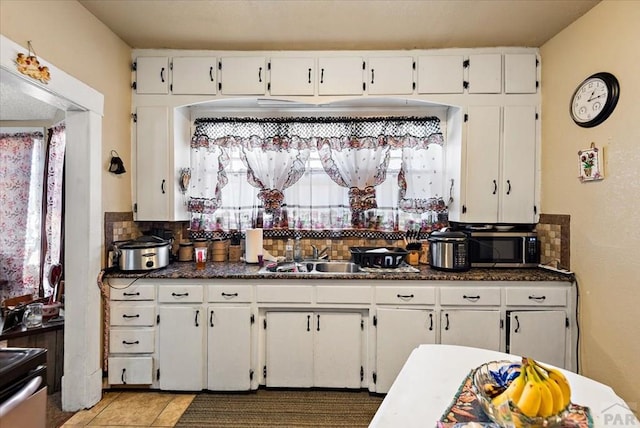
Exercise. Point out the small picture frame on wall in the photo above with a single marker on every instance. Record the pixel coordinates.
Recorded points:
(590, 164)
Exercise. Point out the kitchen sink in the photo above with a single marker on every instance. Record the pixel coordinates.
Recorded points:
(337, 267)
(313, 267)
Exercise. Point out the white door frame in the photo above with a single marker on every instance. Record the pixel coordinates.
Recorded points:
(82, 379)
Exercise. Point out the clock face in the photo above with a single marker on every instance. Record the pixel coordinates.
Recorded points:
(589, 100)
(594, 99)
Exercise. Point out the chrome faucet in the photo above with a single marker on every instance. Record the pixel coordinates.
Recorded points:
(320, 254)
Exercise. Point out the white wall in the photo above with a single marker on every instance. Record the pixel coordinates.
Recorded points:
(605, 220)
(70, 37)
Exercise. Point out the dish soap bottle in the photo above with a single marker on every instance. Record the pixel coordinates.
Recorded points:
(297, 250)
(288, 251)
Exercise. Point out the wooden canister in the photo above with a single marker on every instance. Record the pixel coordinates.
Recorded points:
(185, 252)
(219, 250)
(235, 252)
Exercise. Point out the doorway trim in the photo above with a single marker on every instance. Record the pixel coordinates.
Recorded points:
(83, 106)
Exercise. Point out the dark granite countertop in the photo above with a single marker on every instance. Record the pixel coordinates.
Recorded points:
(230, 270)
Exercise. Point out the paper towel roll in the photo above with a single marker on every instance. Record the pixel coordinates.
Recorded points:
(253, 245)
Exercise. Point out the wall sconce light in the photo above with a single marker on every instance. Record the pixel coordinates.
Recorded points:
(116, 166)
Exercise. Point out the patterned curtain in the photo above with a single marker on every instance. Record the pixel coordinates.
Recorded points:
(354, 153)
(20, 213)
(54, 205)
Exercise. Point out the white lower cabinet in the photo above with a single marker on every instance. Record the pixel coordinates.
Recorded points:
(398, 332)
(475, 328)
(132, 337)
(538, 334)
(228, 348)
(181, 347)
(307, 349)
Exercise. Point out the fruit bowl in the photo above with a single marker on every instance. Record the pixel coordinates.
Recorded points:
(490, 380)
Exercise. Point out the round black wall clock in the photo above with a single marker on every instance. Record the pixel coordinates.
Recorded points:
(594, 99)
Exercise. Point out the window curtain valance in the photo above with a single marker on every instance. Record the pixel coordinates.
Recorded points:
(354, 152)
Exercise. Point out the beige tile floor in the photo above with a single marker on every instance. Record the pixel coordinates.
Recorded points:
(129, 409)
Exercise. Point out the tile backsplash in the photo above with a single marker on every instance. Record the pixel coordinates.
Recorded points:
(554, 235)
(553, 232)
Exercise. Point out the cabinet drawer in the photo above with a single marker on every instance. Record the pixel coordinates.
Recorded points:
(470, 296)
(130, 370)
(536, 296)
(131, 341)
(124, 314)
(343, 294)
(406, 295)
(284, 294)
(134, 292)
(229, 293)
(180, 294)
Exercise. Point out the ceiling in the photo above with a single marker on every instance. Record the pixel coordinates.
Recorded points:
(335, 24)
(317, 25)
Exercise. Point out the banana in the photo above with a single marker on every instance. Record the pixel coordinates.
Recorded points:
(554, 388)
(563, 383)
(529, 402)
(546, 399)
(513, 391)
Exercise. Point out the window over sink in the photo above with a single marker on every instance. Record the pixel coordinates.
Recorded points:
(317, 173)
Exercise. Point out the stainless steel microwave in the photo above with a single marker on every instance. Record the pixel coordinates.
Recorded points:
(504, 249)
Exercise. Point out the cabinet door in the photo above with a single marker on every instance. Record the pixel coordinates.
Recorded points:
(540, 335)
(390, 75)
(194, 75)
(152, 75)
(520, 73)
(440, 74)
(130, 370)
(181, 350)
(478, 329)
(517, 189)
(398, 332)
(229, 348)
(243, 75)
(485, 74)
(337, 348)
(292, 76)
(152, 163)
(289, 357)
(482, 174)
(340, 76)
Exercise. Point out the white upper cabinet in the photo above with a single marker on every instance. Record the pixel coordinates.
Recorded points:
(292, 76)
(340, 75)
(152, 164)
(194, 75)
(517, 196)
(520, 73)
(483, 164)
(501, 165)
(485, 74)
(152, 75)
(441, 74)
(390, 75)
(243, 75)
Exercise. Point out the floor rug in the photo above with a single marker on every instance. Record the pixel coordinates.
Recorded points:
(282, 408)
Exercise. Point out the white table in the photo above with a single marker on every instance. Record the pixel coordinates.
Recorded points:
(430, 378)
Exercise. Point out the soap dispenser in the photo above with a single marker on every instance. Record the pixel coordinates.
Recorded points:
(297, 250)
